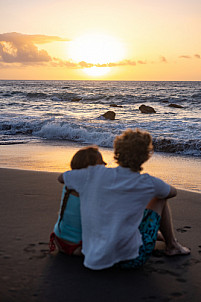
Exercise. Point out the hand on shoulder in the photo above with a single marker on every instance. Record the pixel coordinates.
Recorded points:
(60, 178)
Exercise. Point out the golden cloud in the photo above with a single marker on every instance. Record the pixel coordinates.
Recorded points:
(197, 56)
(21, 48)
(185, 57)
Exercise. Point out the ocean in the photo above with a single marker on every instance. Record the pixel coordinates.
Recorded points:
(46, 111)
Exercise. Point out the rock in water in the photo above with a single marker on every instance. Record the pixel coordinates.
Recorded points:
(115, 105)
(147, 109)
(109, 115)
(175, 106)
(76, 99)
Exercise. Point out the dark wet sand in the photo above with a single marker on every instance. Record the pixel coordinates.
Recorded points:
(29, 205)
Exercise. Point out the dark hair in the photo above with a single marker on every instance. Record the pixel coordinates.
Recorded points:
(88, 156)
(133, 148)
(85, 157)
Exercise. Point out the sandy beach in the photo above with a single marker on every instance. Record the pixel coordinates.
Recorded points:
(29, 205)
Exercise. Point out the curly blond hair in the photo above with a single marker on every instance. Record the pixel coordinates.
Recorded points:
(132, 148)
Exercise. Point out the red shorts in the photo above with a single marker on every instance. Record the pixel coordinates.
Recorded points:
(63, 246)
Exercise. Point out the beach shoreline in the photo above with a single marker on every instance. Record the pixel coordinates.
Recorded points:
(29, 207)
(182, 172)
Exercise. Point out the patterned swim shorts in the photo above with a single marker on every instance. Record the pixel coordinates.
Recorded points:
(148, 228)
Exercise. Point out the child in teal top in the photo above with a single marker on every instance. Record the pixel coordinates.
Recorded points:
(68, 230)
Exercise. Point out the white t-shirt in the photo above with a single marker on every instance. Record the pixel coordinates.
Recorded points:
(112, 206)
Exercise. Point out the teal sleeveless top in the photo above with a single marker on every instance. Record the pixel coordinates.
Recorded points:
(70, 226)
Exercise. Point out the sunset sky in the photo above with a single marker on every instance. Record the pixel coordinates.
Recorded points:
(101, 40)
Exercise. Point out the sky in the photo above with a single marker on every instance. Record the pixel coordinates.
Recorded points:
(100, 40)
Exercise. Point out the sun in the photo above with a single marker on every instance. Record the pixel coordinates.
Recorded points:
(96, 71)
(97, 50)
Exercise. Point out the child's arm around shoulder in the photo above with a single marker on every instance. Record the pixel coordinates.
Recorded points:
(60, 178)
(74, 179)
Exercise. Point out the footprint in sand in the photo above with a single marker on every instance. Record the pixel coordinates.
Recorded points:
(159, 262)
(190, 262)
(2, 252)
(177, 294)
(182, 280)
(30, 248)
(184, 229)
(35, 249)
(157, 253)
(43, 243)
(150, 298)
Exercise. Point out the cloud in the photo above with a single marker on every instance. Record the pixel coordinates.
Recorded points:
(197, 56)
(21, 48)
(61, 63)
(19, 39)
(141, 62)
(116, 64)
(128, 62)
(185, 57)
(83, 64)
(163, 59)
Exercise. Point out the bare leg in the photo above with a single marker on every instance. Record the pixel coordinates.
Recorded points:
(173, 247)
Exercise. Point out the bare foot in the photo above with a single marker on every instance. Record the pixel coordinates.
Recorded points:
(77, 251)
(178, 249)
